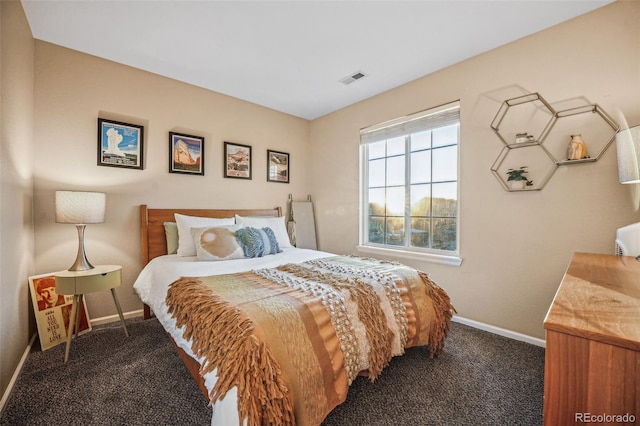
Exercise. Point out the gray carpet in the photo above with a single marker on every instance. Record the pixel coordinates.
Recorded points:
(479, 379)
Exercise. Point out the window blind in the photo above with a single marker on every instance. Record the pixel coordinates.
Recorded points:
(446, 115)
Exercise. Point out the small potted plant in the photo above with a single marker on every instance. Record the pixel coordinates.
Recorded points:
(517, 179)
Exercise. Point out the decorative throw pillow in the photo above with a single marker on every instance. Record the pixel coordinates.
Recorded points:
(186, 247)
(257, 242)
(275, 223)
(171, 234)
(217, 243)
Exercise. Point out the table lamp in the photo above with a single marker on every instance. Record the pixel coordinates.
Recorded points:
(628, 147)
(80, 208)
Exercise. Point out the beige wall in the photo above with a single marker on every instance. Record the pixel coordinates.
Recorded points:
(515, 246)
(16, 186)
(74, 89)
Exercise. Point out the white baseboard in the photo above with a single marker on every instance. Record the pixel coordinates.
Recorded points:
(500, 331)
(12, 382)
(95, 321)
(113, 318)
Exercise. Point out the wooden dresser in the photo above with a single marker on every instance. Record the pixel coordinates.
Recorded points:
(592, 359)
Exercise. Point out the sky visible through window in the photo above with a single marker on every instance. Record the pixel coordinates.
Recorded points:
(418, 173)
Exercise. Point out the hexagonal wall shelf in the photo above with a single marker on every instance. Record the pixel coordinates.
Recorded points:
(538, 162)
(595, 126)
(528, 115)
(538, 137)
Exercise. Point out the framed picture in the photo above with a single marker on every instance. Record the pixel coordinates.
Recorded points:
(277, 166)
(53, 311)
(237, 161)
(186, 154)
(120, 144)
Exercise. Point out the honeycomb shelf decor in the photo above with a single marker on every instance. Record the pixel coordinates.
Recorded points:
(528, 115)
(592, 123)
(537, 138)
(539, 164)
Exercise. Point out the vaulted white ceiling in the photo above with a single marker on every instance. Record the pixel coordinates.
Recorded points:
(291, 55)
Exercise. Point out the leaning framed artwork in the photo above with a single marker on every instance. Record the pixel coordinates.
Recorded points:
(53, 311)
(186, 154)
(120, 144)
(237, 161)
(277, 166)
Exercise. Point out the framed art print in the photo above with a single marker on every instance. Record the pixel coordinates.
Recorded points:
(277, 166)
(237, 161)
(186, 154)
(53, 311)
(120, 144)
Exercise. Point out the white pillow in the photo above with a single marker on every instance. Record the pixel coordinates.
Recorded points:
(186, 247)
(275, 223)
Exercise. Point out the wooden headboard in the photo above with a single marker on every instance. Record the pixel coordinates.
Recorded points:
(152, 237)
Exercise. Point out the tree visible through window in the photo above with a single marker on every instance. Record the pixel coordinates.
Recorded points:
(410, 182)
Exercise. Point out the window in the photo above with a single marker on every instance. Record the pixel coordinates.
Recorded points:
(409, 181)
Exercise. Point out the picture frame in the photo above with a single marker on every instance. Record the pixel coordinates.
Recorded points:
(186, 154)
(237, 161)
(53, 311)
(120, 144)
(277, 166)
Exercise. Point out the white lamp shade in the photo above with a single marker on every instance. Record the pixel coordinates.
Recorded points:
(628, 147)
(80, 207)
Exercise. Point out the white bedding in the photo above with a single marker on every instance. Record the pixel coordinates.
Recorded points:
(154, 280)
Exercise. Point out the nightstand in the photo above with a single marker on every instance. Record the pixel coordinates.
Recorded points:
(101, 277)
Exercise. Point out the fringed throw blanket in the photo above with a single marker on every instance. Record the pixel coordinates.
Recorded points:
(293, 338)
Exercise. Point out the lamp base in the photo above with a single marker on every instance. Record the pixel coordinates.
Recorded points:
(81, 263)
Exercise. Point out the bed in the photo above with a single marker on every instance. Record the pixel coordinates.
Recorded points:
(279, 336)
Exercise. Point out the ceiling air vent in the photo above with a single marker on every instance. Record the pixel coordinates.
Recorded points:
(353, 77)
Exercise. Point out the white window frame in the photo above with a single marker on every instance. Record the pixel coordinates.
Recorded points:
(397, 127)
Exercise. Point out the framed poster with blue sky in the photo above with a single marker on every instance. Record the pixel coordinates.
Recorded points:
(186, 154)
(120, 144)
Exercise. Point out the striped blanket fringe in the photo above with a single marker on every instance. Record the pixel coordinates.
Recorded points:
(442, 306)
(444, 311)
(241, 359)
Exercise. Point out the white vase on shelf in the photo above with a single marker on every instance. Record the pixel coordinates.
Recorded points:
(517, 184)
